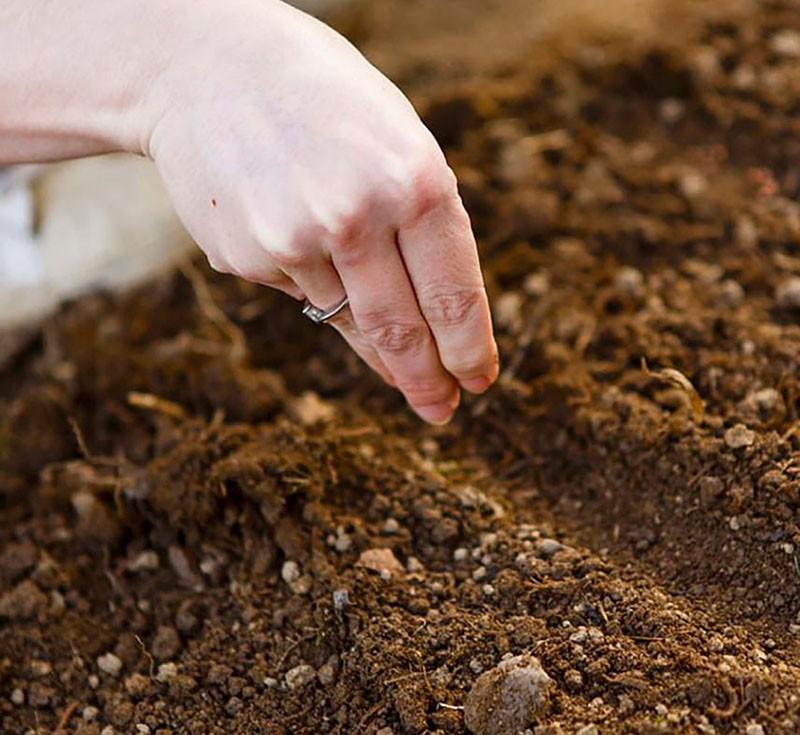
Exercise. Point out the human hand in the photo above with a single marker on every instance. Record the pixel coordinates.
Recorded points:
(295, 164)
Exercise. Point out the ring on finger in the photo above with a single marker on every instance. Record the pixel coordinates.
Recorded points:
(320, 316)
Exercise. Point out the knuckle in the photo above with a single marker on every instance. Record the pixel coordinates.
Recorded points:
(347, 225)
(290, 257)
(478, 364)
(396, 337)
(471, 365)
(345, 232)
(429, 184)
(452, 307)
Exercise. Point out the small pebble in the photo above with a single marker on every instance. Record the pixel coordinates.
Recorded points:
(290, 572)
(753, 728)
(327, 673)
(787, 295)
(414, 565)
(739, 436)
(145, 561)
(731, 293)
(382, 561)
(310, 408)
(629, 281)
(300, 676)
(692, 184)
(671, 110)
(508, 311)
(391, 526)
(142, 729)
(343, 542)
(166, 672)
(89, 714)
(341, 599)
(18, 697)
(785, 43)
(41, 668)
(303, 585)
(536, 284)
(109, 664)
(460, 554)
(549, 546)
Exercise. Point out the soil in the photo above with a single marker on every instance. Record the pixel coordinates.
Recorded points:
(214, 520)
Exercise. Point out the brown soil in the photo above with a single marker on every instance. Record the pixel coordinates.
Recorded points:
(220, 523)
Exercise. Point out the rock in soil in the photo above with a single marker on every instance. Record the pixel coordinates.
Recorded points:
(509, 698)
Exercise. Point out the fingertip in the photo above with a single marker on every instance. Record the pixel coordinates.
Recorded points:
(439, 414)
(478, 385)
(482, 383)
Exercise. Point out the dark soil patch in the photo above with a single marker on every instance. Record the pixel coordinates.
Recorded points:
(234, 528)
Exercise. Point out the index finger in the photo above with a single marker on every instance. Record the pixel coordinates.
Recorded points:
(441, 258)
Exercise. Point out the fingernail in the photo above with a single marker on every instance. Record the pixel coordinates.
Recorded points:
(478, 385)
(438, 414)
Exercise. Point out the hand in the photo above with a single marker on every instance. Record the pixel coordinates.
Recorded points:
(295, 164)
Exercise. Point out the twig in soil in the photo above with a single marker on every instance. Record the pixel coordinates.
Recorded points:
(677, 378)
(368, 715)
(156, 403)
(214, 313)
(83, 447)
(733, 703)
(63, 721)
(295, 644)
(151, 661)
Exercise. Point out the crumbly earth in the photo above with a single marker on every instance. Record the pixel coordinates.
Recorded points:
(214, 520)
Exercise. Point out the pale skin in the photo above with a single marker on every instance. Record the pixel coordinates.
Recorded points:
(290, 159)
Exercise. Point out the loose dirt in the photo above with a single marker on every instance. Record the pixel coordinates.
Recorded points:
(214, 520)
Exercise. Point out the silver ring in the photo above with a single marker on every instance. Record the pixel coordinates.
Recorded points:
(320, 316)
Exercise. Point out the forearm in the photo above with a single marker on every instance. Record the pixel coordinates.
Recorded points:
(74, 75)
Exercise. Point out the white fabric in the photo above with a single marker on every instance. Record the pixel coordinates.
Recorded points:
(21, 260)
(100, 222)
